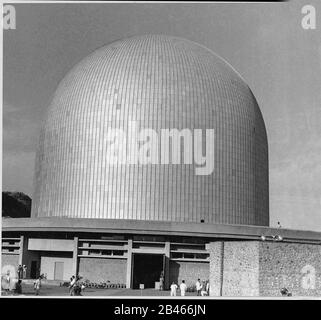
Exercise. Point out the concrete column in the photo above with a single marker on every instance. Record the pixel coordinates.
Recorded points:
(216, 250)
(21, 251)
(129, 264)
(27, 256)
(24, 255)
(75, 257)
(167, 268)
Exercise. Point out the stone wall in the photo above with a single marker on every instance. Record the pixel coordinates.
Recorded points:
(188, 271)
(216, 250)
(100, 269)
(294, 266)
(241, 269)
(255, 268)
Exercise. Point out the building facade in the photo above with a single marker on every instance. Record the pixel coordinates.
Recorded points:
(127, 223)
(237, 260)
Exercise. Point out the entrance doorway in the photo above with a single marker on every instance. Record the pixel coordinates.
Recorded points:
(147, 269)
(34, 269)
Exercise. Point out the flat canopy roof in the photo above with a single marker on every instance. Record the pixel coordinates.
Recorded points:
(156, 228)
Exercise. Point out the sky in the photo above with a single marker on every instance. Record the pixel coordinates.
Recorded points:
(265, 43)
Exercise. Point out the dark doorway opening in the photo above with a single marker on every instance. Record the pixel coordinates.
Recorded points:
(34, 269)
(147, 269)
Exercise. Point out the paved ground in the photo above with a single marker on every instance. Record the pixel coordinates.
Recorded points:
(53, 290)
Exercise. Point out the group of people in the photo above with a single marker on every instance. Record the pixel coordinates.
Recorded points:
(22, 271)
(75, 287)
(182, 287)
(202, 288)
(12, 281)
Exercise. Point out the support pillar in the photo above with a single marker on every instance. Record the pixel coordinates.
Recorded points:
(75, 257)
(129, 273)
(216, 251)
(167, 268)
(21, 251)
(24, 256)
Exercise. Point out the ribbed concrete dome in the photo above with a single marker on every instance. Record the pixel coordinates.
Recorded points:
(159, 82)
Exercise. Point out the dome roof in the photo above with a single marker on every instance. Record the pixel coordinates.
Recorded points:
(159, 82)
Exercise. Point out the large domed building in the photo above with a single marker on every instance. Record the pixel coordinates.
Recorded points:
(159, 82)
(130, 222)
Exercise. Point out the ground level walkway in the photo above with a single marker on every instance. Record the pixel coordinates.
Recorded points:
(56, 290)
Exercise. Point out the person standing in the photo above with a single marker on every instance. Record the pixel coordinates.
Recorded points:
(18, 288)
(7, 282)
(203, 290)
(208, 287)
(77, 287)
(20, 271)
(71, 285)
(173, 289)
(183, 288)
(37, 286)
(161, 281)
(198, 287)
(24, 271)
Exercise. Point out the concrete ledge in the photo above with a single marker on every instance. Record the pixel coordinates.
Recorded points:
(157, 228)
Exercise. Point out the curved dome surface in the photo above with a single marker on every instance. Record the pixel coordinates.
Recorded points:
(159, 82)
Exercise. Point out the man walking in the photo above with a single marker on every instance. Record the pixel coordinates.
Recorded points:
(208, 287)
(183, 288)
(20, 271)
(24, 271)
(37, 286)
(161, 281)
(173, 289)
(71, 285)
(198, 287)
(203, 290)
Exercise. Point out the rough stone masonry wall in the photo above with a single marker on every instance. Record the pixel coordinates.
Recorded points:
(99, 269)
(256, 268)
(295, 266)
(215, 250)
(241, 269)
(234, 268)
(188, 271)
